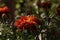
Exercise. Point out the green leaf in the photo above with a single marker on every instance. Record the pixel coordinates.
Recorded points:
(17, 5)
(21, 1)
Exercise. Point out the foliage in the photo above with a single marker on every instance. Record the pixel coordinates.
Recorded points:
(17, 22)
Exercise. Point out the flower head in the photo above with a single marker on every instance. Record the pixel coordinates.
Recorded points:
(4, 9)
(45, 4)
(58, 10)
(27, 22)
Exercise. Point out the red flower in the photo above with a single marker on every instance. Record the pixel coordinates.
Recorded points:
(1, 9)
(27, 22)
(4, 9)
(45, 4)
(58, 10)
